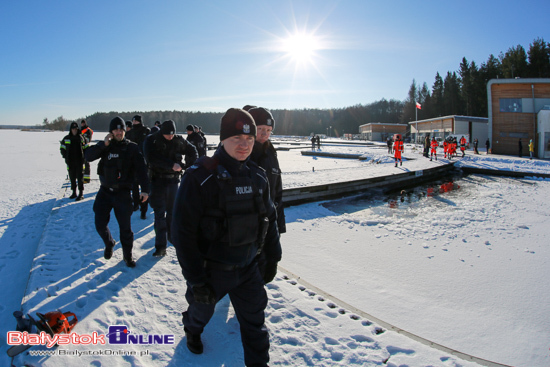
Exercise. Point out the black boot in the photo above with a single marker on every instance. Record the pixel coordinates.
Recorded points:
(108, 253)
(159, 252)
(130, 262)
(80, 196)
(194, 342)
(73, 195)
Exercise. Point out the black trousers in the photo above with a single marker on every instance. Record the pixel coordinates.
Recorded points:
(135, 197)
(75, 174)
(247, 294)
(163, 194)
(121, 202)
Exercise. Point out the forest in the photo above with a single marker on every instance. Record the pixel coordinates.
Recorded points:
(460, 92)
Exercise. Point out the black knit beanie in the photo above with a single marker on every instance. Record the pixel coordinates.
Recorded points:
(262, 116)
(137, 118)
(189, 128)
(117, 123)
(168, 128)
(236, 122)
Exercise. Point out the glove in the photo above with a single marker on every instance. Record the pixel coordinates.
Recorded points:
(204, 293)
(270, 272)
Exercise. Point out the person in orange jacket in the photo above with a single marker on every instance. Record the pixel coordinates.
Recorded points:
(463, 145)
(433, 151)
(87, 132)
(397, 150)
(445, 148)
(451, 149)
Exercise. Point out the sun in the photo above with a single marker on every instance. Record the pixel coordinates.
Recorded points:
(301, 48)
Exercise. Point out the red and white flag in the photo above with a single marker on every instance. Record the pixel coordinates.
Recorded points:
(418, 105)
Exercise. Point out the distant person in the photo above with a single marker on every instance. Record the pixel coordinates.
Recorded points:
(531, 149)
(398, 150)
(128, 126)
(463, 145)
(196, 139)
(318, 141)
(138, 134)
(389, 142)
(488, 145)
(427, 146)
(168, 155)
(155, 127)
(72, 150)
(476, 142)
(433, 151)
(520, 147)
(203, 135)
(120, 164)
(313, 141)
(87, 132)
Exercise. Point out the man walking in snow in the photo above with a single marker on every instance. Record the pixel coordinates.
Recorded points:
(137, 134)
(223, 219)
(120, 164)
(164, 153)
(72, 149)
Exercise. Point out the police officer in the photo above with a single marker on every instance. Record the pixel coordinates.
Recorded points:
(196, 139)
(137, 134)
(164, 152)
(72, 149)
(265, 156)
(223, 218)
(120, 164)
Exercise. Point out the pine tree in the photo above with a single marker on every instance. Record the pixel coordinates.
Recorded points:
(514, 62)
(539, 59)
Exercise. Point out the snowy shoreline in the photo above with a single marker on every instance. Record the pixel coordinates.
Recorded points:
(459, 268)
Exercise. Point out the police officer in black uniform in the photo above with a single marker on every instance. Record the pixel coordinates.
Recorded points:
(120, 163)
(265, 156)
(196, 139)
(223, 219)
(72, 149)
(164, 152)
(137, 134)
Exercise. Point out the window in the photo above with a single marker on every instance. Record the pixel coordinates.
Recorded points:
(510, 105)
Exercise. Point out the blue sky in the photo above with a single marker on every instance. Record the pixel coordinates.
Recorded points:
(75, 58)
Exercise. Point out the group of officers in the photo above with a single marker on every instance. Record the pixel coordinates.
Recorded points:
(224, 218)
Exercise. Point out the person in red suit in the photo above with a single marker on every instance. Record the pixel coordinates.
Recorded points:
(397, 150)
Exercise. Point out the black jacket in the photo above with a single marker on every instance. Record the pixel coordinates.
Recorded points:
(138, 133)
(120, 163)
(199, 142)
(265, 156)
(203, 229)
(161, 154)
(72, 149)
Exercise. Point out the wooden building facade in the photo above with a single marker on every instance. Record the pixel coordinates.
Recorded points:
(513, 108)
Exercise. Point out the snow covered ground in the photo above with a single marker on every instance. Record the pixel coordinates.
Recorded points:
(467, 269)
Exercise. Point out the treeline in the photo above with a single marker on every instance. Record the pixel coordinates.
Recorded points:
(462, 92)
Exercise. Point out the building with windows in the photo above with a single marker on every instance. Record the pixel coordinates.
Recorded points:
(441, 127)
(513, 109)
(379, 131)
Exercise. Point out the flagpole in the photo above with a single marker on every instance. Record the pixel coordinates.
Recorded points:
(416, 122)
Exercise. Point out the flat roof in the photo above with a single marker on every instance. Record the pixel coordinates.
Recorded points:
(455, 117)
